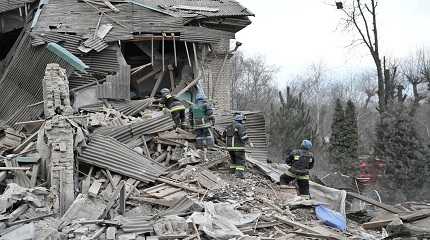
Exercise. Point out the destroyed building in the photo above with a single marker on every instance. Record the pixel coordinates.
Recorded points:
(131, 49)
(86, 152)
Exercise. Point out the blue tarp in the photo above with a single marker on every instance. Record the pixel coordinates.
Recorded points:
(331, 218)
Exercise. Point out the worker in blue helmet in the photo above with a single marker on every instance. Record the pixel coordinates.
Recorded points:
(201, 120)
(300, 162)
(236, 139)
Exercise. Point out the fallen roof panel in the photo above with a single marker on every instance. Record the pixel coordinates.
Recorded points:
(186, 8)
(21, 84)
(108, 153)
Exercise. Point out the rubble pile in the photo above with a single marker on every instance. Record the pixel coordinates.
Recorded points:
(109, 171)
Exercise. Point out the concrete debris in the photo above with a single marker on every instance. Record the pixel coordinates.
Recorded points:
(88, 151)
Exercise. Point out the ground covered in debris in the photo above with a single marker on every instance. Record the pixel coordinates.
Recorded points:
(121, 170)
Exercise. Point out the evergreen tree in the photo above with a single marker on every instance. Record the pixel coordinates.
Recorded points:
(291, 124)
(350, 129)
(406, 157)
(337, 149)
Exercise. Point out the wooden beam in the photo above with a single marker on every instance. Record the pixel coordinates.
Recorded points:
(157, 84)
(411, 217)
(34, 173)
(110, 5)
(149, 75)
(196, 190)
(122, 198)
(14, 168)
(384, 206)
(109, 176)
(311, 230)
(377, 224)
(112, 201)
(172, 78)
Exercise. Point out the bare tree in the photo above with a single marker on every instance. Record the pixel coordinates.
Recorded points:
(361, 16)
(253, 87)
(368, 86)
(414, 71)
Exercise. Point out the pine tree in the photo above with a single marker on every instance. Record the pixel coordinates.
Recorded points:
(350, 129)
(337, 149)
(406, 157)
(291, 123)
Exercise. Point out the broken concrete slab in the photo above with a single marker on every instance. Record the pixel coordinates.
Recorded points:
(84, 208)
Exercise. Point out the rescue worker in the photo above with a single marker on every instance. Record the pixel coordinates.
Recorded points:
(300, 162)
(201, 120)
(176, 107)
(236, 139)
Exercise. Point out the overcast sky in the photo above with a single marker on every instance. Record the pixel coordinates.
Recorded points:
(293, 34)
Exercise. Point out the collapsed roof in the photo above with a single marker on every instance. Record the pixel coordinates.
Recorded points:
(108, 36)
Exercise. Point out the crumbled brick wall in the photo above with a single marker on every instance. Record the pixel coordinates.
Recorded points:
(59, 136)
(217, 81)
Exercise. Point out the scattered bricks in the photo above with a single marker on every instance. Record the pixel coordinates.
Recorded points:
(59, 133)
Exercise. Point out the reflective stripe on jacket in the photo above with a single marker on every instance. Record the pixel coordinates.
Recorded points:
(236, 136)
(172, 103)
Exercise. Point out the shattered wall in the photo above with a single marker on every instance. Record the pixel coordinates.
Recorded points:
(59, 136)
(134, 23)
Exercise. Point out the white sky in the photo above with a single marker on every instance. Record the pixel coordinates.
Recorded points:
(293, 34)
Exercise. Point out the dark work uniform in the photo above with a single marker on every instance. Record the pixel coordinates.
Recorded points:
(301, 161)
(236, 139)
(201, 117)
(176, 108)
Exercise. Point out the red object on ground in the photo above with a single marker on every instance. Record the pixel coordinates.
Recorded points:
(370, 170)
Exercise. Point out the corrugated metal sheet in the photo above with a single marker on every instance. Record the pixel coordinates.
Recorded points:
(127, 133)
(80, 18)
(68, 41)
(133, 19)
(7, 5)
(225, 7)
(95, 43)
(202, 34)
(80, 79)
(104, 62)
(256, 128)
(21, 84)
(128, 108)
(25, 114)
(141, 224)
(116, 86)
(108, 153)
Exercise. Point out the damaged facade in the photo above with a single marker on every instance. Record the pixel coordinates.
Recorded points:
(131, 48)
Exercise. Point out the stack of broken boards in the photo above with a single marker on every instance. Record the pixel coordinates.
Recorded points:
(408, 220)
(137, 177)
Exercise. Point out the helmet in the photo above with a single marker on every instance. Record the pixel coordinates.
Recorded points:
(164, 92)
(238, 117)
(200, 97)
(306, 144)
